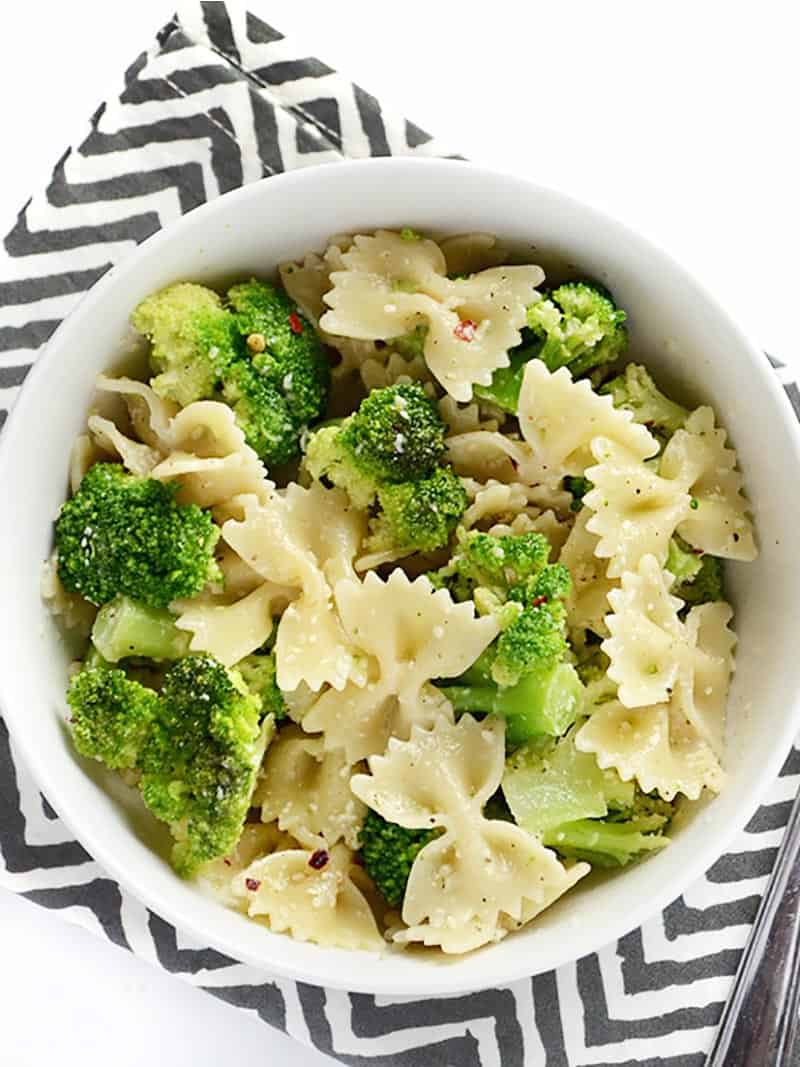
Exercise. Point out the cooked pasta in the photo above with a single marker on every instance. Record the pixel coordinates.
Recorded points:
(375, 552)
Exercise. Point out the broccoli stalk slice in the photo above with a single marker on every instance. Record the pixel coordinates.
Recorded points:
(635, 391)
(542, 704)
(606, 844)
(583, 812)
(120, 534)
(111, 715)
(126, 628)
(682, 563)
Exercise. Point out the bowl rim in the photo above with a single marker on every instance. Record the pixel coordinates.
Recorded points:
(441, 980)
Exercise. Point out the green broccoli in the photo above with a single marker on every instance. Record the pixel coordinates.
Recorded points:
(544, 702)
(484, 568)
(561, 795)
(418, 516)
(125, 628)
(261, 412)
(576, 326)
(706, 586)
(523, 675)
(397, 435)
(193, 339)
(682, 562)
(259, 355)
(293, 359)
(386, 458)
(124, 534)
(201, 758)
(578, 486)
(636, 391)
(258, 672)
(111, 715)
(412, 344)
(388, 852)
(580, 327)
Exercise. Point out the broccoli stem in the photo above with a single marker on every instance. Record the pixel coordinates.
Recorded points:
(605, 844)
(544, 703)
(124, 628)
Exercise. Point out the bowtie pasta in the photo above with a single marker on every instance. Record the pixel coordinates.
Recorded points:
(402, 590)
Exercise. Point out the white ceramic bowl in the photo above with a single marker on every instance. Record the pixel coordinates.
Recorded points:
(684, 336)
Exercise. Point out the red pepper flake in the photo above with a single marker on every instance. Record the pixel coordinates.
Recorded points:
(295, 323)
(319, 859)
(252, 884)
(538, 601)
(465, 331)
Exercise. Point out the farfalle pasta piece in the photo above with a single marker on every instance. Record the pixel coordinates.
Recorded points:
(701, 694)
(468, 418)
(587, 603)
(305, 788)
(394, 369)
(310, 894)
(466, 253)
(413, 633)
(647, 646)
(559, 418)
(306, 283)
(636, 511)
(495, 501)
(485, 455)
(655, 744)
(210, 458)
(229, 632)
(698, 459)
(136, 457)
(306, 539)
(151, 416)
(389, 285)
(479, 877)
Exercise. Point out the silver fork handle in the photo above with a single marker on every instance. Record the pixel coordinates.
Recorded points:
(759, 1024)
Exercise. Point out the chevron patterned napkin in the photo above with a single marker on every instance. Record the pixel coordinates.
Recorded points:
(220, 100)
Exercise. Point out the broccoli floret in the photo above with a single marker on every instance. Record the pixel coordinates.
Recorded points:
(418, 516)
(706, 586)
(581, 811)
(111, 715)
(123, 534)
(535, 641)
(636, 391)
(261, 412)
(201, 757)
(388, 851)
(484, 568)
(125, 628)
(327, 460)
(397, 435)
(578, 487)
(192, 337)
(682, 563)
(580, 327)
(293, 358)
(258, 672)
(575, 326)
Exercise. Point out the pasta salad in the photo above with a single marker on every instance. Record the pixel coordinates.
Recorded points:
(402, 590)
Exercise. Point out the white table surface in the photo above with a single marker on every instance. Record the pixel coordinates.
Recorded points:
(680, 118)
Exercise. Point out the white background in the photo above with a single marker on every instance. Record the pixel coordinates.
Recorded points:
(679, 117)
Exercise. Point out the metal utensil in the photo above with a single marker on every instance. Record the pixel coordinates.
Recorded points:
(759, 1025)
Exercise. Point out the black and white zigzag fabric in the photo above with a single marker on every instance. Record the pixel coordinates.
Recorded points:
(220, 100)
